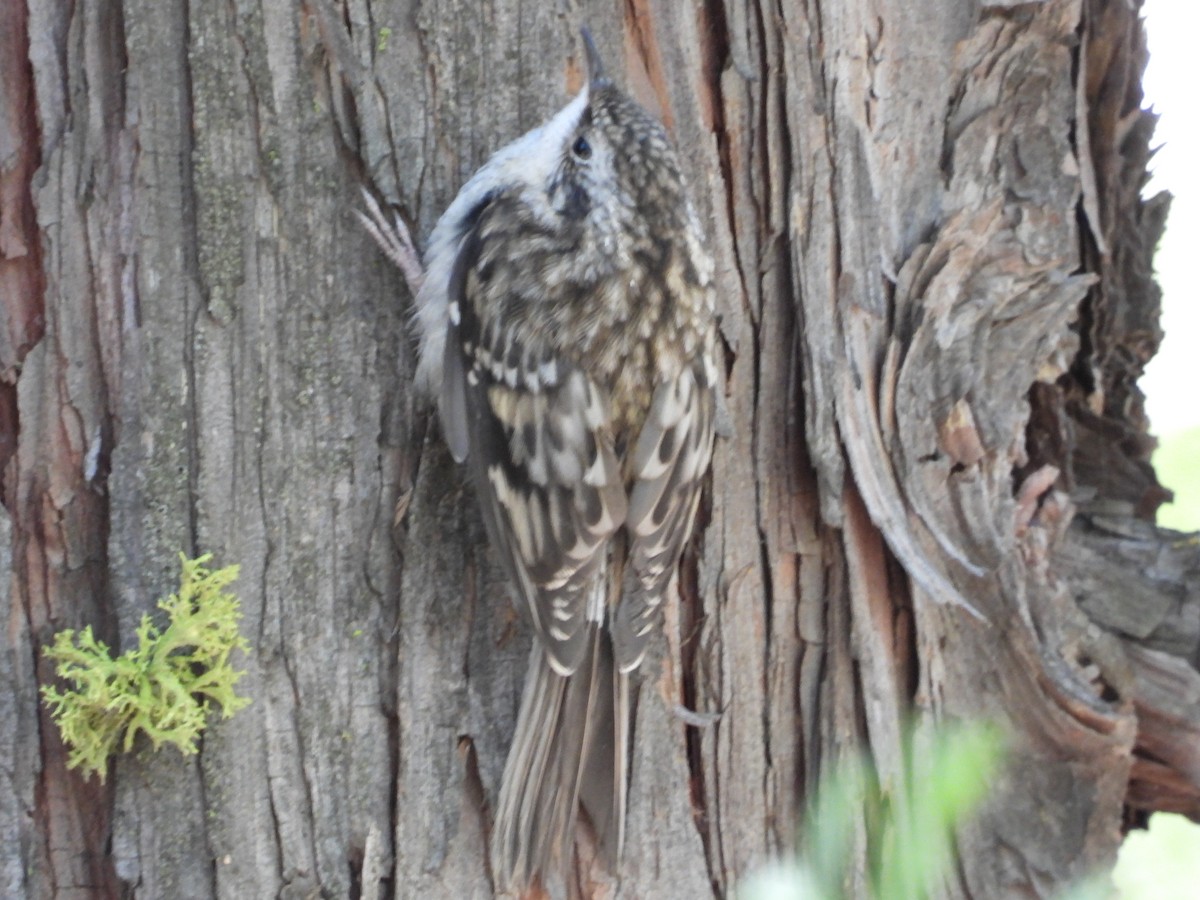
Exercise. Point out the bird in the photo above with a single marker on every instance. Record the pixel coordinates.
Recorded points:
(566, 313)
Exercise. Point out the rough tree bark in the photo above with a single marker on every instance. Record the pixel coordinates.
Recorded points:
(936, 293)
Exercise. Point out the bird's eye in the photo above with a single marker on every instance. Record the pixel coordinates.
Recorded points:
(581, 148)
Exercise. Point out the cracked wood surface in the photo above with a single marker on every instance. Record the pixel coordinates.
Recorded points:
(935, 502)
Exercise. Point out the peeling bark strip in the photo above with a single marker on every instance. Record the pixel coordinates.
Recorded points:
(21, 286)
(935, 269)
(55, 459)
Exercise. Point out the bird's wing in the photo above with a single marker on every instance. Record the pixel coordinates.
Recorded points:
(668, 464)
(536, 431)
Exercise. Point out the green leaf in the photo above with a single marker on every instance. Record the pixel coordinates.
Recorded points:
(907, 823)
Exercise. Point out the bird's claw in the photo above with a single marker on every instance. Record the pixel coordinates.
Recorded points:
(394, 239)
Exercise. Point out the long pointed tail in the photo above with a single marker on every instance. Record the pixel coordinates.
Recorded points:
(571, 747)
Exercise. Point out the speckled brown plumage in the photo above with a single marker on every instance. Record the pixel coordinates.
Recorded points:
(568, 328)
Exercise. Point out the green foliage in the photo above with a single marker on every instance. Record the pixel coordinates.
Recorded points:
(909, 830)
(1177, 462)
(908, 825)
(164, 687)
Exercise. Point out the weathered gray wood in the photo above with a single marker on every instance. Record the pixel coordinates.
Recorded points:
(934, 273)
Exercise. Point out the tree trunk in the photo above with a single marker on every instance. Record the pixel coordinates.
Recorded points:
(934, 271)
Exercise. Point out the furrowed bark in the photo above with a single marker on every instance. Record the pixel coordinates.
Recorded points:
(934, 503)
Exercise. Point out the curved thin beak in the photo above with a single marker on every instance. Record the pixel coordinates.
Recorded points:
(596, 75)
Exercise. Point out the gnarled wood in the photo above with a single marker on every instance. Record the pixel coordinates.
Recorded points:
(934, 502)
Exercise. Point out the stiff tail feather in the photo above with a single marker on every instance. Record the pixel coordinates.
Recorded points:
(570, 748)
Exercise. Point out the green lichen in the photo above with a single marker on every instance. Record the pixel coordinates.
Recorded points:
(164, 687)
(385, 34)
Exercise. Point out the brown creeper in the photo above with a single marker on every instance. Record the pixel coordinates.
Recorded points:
(568, 330)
